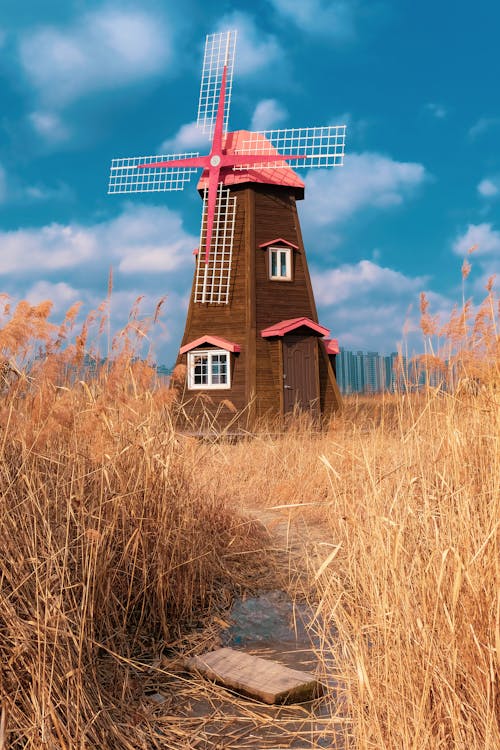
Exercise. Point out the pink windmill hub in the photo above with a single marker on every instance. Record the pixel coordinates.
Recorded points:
(235, 143)
(243, 156)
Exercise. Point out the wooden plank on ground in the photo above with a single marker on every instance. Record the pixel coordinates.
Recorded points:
(258, 678)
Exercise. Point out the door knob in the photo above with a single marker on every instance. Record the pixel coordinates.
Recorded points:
(288, 386)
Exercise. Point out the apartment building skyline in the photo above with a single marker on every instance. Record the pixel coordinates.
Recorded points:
(371, 372)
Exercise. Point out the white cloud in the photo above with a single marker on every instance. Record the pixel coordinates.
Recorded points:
(49, 126)
(188, 138)
(373, 308)
(17, 192)
(489, 187)
(12, 190)
(49, 248)
(345, 118)
(143, 239)
(370, 327)
(100, 50)
(437, 110)
(368, 306)
(335, 18)
(256, 49)
(62, 295)
(356, 281)
(367, 180)
(268, 113)
(483, 235)
(149, 240)
(482, 126)
(39, 193)
(356, 129)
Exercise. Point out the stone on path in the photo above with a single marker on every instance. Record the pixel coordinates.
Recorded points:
(253, 676)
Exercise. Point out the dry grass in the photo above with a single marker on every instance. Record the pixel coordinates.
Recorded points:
(405, 574)
(117, 534)
(108, 550)
(403, 499)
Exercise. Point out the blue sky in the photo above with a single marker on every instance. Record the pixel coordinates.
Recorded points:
(416, 83)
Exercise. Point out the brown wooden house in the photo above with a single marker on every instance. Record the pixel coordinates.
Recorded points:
(252, 341)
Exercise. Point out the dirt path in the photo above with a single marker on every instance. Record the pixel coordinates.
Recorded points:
(272, 624)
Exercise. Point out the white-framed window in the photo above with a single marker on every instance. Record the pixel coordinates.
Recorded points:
(208, 368)
(280, 263)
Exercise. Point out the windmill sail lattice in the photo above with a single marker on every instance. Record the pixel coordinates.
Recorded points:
(126, 177)
(213, 279)
(219, 53)
(318, 147)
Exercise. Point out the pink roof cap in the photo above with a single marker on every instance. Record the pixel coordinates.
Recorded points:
(286, 326)
(281, 241)
(237, 143)
(332, 346)
(229, 346)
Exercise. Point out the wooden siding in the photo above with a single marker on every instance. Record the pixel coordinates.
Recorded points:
(275, 216)
(230, 322)
(256, 302)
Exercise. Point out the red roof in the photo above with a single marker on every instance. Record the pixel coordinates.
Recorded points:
(238, 142)
(286, 326)
(281, 241)
(332, 346)
(229, 346)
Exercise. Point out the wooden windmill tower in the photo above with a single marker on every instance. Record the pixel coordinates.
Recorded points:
(252, 337)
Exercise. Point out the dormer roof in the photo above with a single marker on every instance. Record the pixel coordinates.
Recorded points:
(218, 341)
(332, 346)
(287, 326)
(279, 241)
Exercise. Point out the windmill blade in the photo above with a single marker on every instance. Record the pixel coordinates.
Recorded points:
(213, 279)
(126, 177)
(219, 52)
(321, 146)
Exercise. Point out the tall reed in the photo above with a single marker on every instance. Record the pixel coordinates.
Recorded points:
(107, 548)
(402, 500)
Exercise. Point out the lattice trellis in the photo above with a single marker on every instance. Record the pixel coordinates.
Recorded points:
(213, 279)
(126, 176)
(318, 147)
(219, 52)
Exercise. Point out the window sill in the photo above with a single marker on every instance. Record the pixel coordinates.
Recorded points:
(209, 387)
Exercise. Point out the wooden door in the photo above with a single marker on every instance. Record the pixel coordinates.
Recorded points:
(300, 374)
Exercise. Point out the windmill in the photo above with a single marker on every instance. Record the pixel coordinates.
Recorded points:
(235, 345)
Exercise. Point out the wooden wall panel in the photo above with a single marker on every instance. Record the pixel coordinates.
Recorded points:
(275, 216)
(228, 321)
(263, 213)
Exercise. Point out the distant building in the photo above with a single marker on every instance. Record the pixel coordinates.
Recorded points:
(371, 372)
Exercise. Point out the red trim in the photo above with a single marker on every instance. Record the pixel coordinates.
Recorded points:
(286, 326)
(229, 346)
(332, 346)
(195, 251)
(282, 241)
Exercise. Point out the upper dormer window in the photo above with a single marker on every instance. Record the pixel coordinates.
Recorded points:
(280, 254)
(280, 263)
